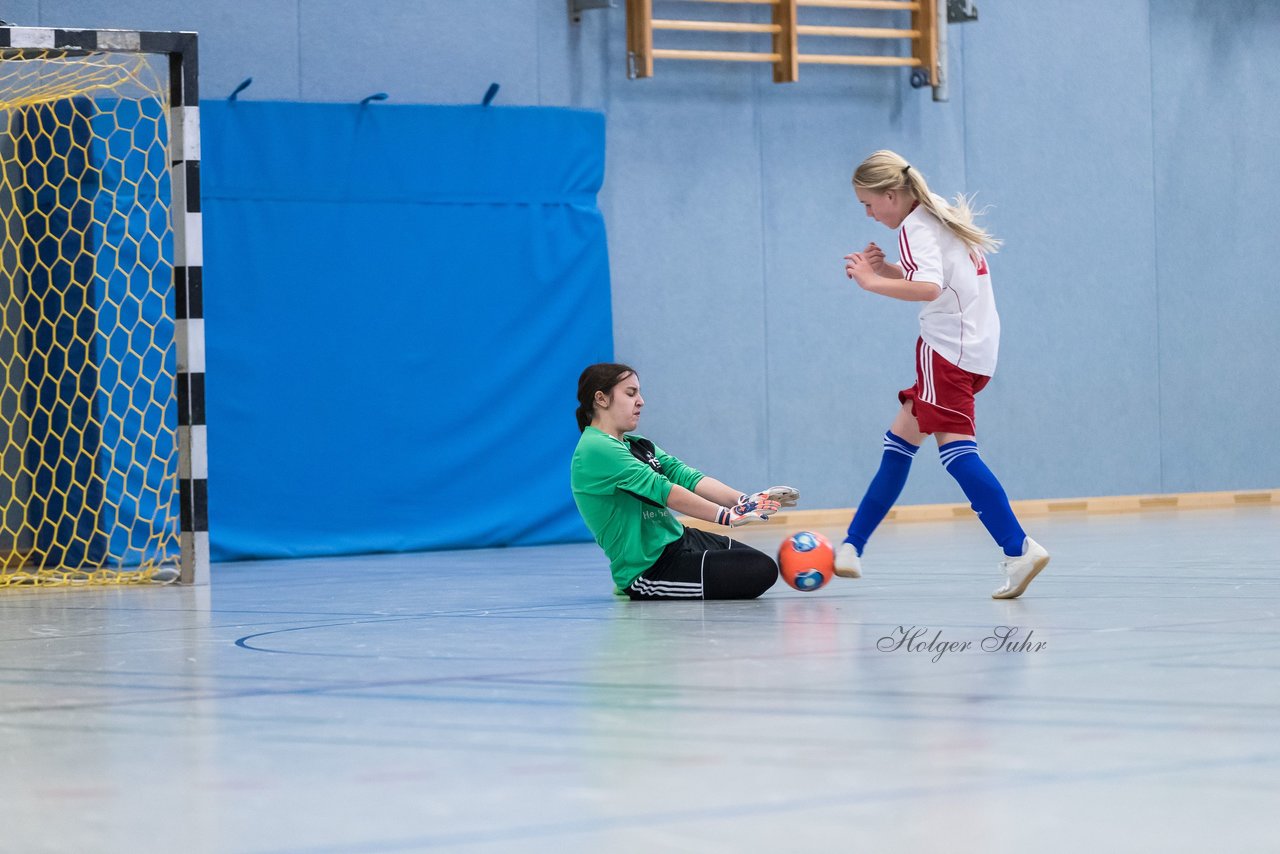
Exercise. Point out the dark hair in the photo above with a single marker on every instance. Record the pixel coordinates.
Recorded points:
(600, 377)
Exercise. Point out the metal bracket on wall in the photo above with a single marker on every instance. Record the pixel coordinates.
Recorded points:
(961, 11)
(577, 7)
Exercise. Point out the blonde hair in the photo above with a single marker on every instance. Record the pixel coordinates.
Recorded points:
(887, 170)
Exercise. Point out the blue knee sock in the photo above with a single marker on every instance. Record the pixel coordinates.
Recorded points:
(985, 494)
(884, 490)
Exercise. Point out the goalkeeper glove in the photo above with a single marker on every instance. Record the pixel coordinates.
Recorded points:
(747, 512)
(786, 496)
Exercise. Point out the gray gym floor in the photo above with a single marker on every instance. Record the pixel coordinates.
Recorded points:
(497, 701)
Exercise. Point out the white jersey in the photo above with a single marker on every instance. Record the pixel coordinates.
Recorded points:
(961, 325)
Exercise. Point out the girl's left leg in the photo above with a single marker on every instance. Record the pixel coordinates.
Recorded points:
(959, 454)
(1024, 557)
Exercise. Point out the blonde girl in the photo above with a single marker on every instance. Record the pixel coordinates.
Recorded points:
(942, 265)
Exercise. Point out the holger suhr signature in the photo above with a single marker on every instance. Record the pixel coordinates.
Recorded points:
(918, 639)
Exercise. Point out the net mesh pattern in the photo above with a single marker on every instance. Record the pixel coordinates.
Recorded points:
(88, 405)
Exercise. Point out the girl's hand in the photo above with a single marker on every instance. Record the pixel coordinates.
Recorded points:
(875, 257)
(747, 512)
(857, 267)
(786, 496)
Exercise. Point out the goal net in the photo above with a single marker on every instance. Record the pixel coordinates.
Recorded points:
(90, 487)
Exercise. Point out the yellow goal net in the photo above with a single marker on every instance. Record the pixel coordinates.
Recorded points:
(89, 403)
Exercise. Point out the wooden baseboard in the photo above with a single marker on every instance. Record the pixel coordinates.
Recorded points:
(1031, 507)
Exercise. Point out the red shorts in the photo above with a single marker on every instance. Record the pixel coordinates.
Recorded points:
(942, 398)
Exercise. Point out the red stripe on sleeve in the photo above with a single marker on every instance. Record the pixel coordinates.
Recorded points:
(904, 250)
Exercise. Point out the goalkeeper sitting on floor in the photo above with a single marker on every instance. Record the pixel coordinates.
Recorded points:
(623, 485)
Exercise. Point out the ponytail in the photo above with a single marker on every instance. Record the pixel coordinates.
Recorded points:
(886, 170)
(583, 414)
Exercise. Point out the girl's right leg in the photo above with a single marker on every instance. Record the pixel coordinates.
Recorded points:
(707, 566)
(900, 446)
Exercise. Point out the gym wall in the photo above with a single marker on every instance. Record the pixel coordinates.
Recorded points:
(1124, 147)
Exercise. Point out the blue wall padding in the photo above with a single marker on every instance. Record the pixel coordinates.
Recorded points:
(399, 301)
(138, 461)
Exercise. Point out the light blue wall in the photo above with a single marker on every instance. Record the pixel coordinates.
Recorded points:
(1058, 140)
(1216, 94)
(1127, 149)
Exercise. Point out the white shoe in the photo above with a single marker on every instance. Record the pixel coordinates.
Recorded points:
(165, 574)
(1019, 571)
(848, 564)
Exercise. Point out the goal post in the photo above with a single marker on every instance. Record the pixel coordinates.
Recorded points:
(103, 453)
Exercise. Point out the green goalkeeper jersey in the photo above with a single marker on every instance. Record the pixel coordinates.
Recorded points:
(621, 489)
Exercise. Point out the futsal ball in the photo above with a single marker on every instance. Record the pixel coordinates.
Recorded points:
(806, 560)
